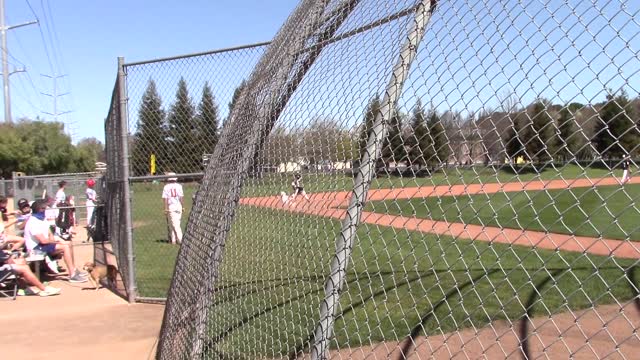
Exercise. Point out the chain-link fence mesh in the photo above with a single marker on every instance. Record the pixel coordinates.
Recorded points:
(176, 109)
(117, 201)
(394, 179)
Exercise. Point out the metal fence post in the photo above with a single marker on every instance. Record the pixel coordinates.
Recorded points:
(122, 94)
(345, 240)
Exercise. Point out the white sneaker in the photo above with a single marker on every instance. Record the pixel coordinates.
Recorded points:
(284, 197)
(50, 291)
(52, 265)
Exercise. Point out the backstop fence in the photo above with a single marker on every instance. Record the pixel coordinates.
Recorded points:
(388, 179)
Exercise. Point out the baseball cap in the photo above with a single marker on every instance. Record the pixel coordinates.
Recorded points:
(171, 178)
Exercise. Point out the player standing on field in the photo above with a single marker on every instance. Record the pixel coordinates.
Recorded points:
(626, 172)
(298, 189)
(172, 195)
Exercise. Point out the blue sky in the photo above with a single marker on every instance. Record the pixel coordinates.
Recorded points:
(472, 57)
(84, 38)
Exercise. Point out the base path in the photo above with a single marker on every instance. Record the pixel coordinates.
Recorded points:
(333, 204)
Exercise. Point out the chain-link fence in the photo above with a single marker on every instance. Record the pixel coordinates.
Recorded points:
(392, 179)
(170, 112)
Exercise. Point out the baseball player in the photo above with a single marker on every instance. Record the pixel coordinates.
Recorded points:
(172, 195)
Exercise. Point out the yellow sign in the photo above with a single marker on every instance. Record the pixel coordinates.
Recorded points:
(152, 164)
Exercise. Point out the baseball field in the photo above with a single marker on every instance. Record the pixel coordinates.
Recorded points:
(425, 261)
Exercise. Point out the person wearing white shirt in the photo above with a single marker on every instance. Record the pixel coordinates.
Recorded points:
(172, 196)
(38, 237)
(91, 199)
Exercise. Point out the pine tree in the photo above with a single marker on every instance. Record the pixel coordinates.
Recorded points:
(236, 96)
(419, 141)
(439, 150)
(514, 146)
(616, 134)
(543, 142)
(207, 122)
(149, 138)
(185, 154)
(373, 109)
(570, 140)
(393, 147)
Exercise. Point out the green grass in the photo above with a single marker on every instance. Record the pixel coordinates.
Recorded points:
(607, 211)
(155, 257)
(275, 264)
(316, 182)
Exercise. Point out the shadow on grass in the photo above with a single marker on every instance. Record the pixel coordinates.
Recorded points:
(407, 344)
(410, 340)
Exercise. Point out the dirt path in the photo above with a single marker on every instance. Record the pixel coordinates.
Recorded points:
(332, 204)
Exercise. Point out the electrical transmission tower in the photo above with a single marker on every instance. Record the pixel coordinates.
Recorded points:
(55, 96)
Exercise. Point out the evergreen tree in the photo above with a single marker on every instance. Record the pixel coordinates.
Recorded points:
(514, 146)
(207, 122)
(616, 134)
(439, 150)
(419, 141)
(149, 138)
(373, 109)
(185, 155)
(393, 147)
(542, 143)
(570, 140)
(236, 96)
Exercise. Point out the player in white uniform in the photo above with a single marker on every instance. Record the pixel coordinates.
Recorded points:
(626, 170)
(91, 199)
(298, 189)
(173, 195)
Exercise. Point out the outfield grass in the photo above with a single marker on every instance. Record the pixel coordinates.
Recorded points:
(607, 211)
(275, 264)
(273, 184)
(155, 256)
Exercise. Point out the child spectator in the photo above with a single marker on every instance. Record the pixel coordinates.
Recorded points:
(92, 197)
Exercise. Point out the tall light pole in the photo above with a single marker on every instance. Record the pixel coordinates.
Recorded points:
(5, 61)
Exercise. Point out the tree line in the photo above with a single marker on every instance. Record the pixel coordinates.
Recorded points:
(425, 137)
(539, 132)
(38, 147)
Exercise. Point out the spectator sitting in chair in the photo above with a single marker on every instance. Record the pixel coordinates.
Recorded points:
(38, 236)
(16, 242)
(19, 268)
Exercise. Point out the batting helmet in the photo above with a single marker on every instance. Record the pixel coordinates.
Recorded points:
(91, 182)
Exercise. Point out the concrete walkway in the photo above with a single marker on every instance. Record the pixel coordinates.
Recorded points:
(80, 323)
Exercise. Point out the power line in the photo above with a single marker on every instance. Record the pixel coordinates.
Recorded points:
(5, 62)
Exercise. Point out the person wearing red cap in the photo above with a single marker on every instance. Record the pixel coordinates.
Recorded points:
(91, 199)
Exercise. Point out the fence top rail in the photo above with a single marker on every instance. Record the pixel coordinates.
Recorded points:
(62, 175)
(209, 52)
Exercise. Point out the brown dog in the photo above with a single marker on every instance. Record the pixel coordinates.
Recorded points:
(99, 272)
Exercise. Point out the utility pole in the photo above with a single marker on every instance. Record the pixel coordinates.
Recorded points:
(55, 96)
(5, 61)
